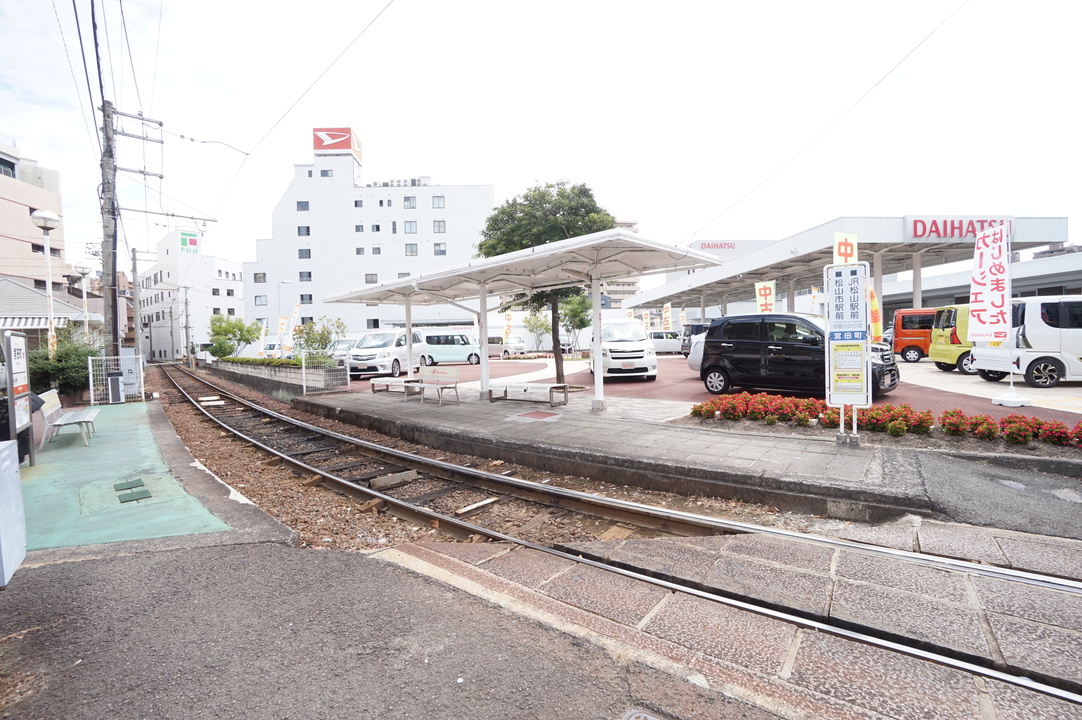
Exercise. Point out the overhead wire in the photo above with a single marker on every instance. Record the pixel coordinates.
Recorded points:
(838, 119)
(75, 82)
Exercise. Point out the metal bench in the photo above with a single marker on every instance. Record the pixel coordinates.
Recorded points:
(56, 417)
(438, 379)
(556, 393)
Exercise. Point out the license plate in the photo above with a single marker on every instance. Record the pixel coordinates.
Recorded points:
(628, 366)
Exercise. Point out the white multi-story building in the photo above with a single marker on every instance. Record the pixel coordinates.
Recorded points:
(331, 233)
(179, 294)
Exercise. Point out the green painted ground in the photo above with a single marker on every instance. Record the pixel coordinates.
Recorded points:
(70, 498)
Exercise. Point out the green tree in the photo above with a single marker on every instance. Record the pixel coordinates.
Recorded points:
(536, 326)
(545, 214)
(314, 339)
(68, 370)
(229, 335)
(575, 316)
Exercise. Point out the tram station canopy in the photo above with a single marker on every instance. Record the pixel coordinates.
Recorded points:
(586, 260)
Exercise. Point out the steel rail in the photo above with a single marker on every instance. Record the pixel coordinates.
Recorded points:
(465, 529)
(676, 522)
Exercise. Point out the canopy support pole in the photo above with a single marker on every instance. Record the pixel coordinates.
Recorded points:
(482, 328)
(595, 345)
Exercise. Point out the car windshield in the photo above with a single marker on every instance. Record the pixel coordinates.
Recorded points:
(375, 340)
(343, 345)
(623, 332)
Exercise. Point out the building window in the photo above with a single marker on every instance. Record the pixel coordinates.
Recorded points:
(216, 311)
(260, 300)
(372, 324)
(231, 311)
(394, 227)
(410, 227)
(39, 249)
(403, 275)
(411, 249)
(358, 203)
(375, 228)
(358, 228)
(439, 248)
(309, 173)
(409, 202)
(306, 319)
(259, 277)
(215, 291)
(219, 273)
(381, 203)
(360, 251)
(306, 299)
(262, 321)
(302, 206)
(304, 230)
(39, 284)
(439, 226)
(326, 173)
(229, 292)
(371, 278)
(437, 201)
(304, 254)
(305, 276)
(376, 250)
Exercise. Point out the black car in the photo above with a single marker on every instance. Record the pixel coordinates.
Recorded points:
(779, 351)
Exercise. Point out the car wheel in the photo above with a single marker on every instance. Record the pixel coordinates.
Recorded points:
(396, 369)
(912, 354)
(717, 382)
(991, 375)
(945, 367)
(965, 364)
(474, 358)
(506, 355)
(1044, 373)
(423, 361)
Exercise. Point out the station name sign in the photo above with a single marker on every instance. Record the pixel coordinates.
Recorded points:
(950, 227)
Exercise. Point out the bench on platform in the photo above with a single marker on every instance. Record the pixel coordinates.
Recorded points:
(437, 379)
(57, 417)
(555, 393)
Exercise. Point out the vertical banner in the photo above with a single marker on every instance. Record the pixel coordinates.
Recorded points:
(262, 342)
(683, 317)
(764, 296)
(287, 341)
(629, 314)
(282, 322)
(990, 285)
(666, 316)
(845, 248)
(506, 326)
(646, 319)
(848, 360)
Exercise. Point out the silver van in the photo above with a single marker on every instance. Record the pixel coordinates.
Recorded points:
(1044, 344)
(385, 352)
(513, 345)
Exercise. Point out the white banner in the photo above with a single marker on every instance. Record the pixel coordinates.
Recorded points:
(990, 285)
(845, 248)
(764, 296)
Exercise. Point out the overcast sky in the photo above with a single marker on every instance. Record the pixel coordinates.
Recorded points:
(700, 120)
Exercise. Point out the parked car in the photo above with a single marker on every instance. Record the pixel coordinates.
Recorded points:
(695, 354)
(691, 330)
(665, 341)
(779, 351)
(626, 351)
(340, 349)
(1044, 344)
(273, 350)
(449, 347)
(949, 348)
(912, 332)
(513, 345)
(385, 352)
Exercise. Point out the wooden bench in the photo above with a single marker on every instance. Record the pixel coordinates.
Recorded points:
(438, 379)
(56, 417)
(556, 393)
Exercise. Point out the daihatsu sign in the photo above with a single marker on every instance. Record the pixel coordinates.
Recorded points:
(960, 228)
(335, 141)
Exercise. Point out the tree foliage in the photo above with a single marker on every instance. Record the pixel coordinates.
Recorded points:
(230, 335)
(318, 336)
(536, 326)
(575, 316)
(68, 371)
(541, 215)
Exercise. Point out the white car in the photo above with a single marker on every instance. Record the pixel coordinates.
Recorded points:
(695, 353)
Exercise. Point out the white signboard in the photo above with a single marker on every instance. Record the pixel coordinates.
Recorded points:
(990, 285)
(765, 296)
(849, 371)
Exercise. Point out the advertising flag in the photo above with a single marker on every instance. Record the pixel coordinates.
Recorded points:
(990, 285)
(845, 248)
(764, 296)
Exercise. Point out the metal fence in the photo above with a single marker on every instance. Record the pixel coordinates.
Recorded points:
(116, 379)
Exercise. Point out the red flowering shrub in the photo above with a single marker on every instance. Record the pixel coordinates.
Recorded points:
(1055, 433)
(954, 422)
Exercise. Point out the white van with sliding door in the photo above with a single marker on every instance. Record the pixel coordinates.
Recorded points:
(1044, 344)
(449, 347)
(626, 351)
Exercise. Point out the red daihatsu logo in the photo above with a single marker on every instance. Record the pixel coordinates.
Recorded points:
(332, 138)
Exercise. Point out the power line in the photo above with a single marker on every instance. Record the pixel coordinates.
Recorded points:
(838, 119)
(86, 70)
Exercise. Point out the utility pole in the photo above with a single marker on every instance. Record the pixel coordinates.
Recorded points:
(135, 303)
(108, 223)
(188, 332)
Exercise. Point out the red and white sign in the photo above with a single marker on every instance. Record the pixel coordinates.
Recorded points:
(920, 228)
(332, 139)
(764, 296)
(845, 248)
(990, 285)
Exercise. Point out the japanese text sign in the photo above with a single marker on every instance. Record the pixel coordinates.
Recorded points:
(990, 285)
(764, 296)
(847, 353)
(845, 248)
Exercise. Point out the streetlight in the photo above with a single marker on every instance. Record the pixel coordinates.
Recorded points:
(84, 270)
(48, 221)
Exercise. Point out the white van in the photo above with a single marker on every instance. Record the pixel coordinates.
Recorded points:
(449, 347)
(665, 341)
(385, 352)
(1044, 345)
(626, 351)
(503, 349)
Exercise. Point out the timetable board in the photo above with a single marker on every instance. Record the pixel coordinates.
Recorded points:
(848, 357)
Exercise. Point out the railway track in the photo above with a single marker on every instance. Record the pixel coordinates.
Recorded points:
(464, 502)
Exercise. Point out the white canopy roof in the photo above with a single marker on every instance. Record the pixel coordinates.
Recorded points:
(583, 260)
